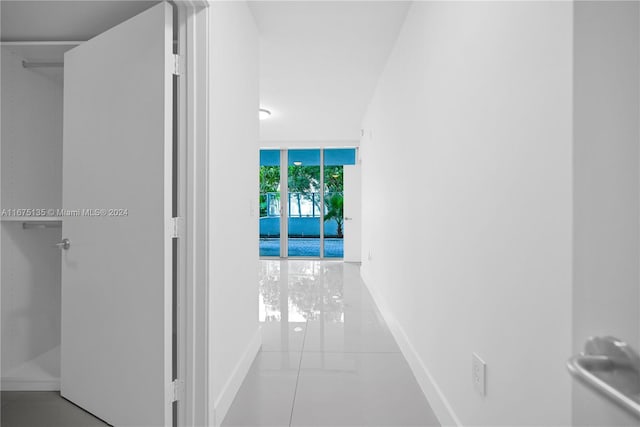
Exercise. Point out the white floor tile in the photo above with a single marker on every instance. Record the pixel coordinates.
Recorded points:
(357, 333)
(351, 370)
(282, 336)
(356, 389)
(266, 395)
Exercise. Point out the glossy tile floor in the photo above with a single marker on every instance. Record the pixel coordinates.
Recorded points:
(328, 358)
(43, 408)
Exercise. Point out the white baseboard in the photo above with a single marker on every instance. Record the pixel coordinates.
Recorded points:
(223, 402)
(436, 398)
(30, 384)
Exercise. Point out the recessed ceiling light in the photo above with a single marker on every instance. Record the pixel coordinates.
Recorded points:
(297, 163)
(263, 113)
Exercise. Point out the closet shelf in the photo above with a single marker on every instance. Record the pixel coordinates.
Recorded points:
(31, 218)
(29, 223)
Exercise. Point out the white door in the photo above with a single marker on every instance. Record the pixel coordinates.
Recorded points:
(606, 198)
(116, 274)
(352, 213)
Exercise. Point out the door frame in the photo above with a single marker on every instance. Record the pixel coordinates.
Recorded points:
(193, 267)
(194, 346)
(353, 214)
(284, 203)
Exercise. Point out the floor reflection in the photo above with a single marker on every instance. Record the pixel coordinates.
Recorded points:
(319, 306)
(328, 358)
(299, 291)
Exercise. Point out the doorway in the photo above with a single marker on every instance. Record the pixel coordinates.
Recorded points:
(96, 197)
(302, 205)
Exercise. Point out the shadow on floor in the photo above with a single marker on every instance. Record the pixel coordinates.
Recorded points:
(43, 409)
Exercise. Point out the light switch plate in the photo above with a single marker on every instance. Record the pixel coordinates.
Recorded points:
(479, 374)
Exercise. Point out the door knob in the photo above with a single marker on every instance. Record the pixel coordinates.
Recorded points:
(64, 244)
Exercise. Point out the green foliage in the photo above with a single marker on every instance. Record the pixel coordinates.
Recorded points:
(334, 199)
(334, 179)
(335, 210)
(269, 183)
(269, 179)
(304, 180)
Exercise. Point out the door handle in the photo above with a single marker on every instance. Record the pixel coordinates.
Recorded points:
(64, 244)
(347, 218)
(611, 368)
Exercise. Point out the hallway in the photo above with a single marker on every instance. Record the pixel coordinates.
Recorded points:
(327, 358)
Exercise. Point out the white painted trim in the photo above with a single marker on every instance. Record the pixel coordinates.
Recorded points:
(231, 387)
(284, 204)
(42, 43)
(434, 394)
(322, 195)
(310, 144)
(185, 327)
(195, 408)
(30, 384)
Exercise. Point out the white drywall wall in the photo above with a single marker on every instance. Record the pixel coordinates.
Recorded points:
(467, 205)
(233, 196)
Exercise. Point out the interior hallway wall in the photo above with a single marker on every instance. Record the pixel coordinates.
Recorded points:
(606, 264)
(233, 150)
(467, 205)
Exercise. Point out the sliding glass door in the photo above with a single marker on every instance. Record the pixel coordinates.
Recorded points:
(305, 206)
(270, 206)
(334, 161)
(302, 204)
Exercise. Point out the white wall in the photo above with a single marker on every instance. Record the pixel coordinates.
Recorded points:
(606, 289)
(31, 144)
(467, 209)
(233, 152)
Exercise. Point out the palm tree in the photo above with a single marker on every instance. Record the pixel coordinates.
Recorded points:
(335, 210)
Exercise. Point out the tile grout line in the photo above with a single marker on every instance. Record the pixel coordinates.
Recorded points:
(295, 391)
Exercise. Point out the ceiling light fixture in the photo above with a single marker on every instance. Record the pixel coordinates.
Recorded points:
(263, 113)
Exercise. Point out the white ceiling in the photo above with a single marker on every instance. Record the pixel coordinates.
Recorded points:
(319, 64)
(319, 60)
(26, 20)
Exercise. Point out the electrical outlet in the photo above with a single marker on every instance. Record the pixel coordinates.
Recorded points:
(479, 374)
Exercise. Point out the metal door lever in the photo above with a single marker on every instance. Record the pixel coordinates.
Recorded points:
(65, 244)
(610, 367)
